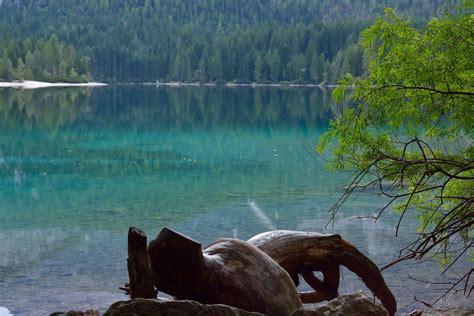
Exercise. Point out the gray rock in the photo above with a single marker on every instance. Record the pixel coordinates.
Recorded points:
(89, 312)
(353, 304)
(452, 311)
(151, 307)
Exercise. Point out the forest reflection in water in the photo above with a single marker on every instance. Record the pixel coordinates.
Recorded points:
(210, 145)
(171, 108)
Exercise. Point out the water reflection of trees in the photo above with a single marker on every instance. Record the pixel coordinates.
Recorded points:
(60, 131)
(42, 108)
(99, 135)
(211, 107)
(165, 107)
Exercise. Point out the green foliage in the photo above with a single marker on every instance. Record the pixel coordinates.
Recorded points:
(49, 60)
(6, 69)
(203, 40)
(411, 128)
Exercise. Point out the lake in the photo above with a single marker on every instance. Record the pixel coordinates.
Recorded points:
(79, 166)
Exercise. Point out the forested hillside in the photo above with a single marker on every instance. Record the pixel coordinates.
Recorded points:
(47, 60)
(307, 41)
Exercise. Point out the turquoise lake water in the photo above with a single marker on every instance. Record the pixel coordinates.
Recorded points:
(79, 166)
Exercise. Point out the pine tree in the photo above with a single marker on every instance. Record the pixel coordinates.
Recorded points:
(51, 56)
(257, 74)
(20, 70)
(6, 68)
(216, 66)
(314, 68)
(273, 62)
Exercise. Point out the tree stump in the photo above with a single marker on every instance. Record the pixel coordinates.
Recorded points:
(302, 253)
(229, 271)
(139, 273)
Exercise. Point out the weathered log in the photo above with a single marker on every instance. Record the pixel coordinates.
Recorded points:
(305, 252)
(139, 272)
(229, 271)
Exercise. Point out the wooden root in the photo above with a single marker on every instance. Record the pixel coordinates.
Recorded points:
(302, 253)
(229, 271)
(141, 282)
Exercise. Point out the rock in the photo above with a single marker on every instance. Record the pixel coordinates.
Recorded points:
(149, 307)
(353, 304)
(449, 311)
(89, 312)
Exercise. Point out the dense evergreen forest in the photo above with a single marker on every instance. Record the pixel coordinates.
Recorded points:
(304, 41)
(47, 60)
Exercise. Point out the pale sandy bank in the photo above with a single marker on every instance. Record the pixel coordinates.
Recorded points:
(28, 84)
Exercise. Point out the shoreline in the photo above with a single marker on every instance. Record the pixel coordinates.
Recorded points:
(31, 84)
(230, 84)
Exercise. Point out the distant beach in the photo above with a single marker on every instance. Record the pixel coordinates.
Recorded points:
(28, 84)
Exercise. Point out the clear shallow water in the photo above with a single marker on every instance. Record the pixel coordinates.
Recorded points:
(79, 166)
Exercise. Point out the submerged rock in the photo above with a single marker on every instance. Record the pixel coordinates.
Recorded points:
(353, 304)
(148, 307)
(451, 311)
(89, 312)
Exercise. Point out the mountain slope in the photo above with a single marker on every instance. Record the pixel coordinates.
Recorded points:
(208, 40)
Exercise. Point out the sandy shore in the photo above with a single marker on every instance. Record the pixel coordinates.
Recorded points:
(28, 84)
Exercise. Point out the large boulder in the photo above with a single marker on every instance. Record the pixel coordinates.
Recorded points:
(153, 307)
(353, 304)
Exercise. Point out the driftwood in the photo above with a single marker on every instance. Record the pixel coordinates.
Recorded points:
(259, 275)
(303, 253)
(229, 271)
(140, 284)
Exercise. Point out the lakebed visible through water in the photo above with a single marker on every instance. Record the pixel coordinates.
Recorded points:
(79, 166)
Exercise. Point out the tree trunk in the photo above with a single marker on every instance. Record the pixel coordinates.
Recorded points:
(140, 277)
